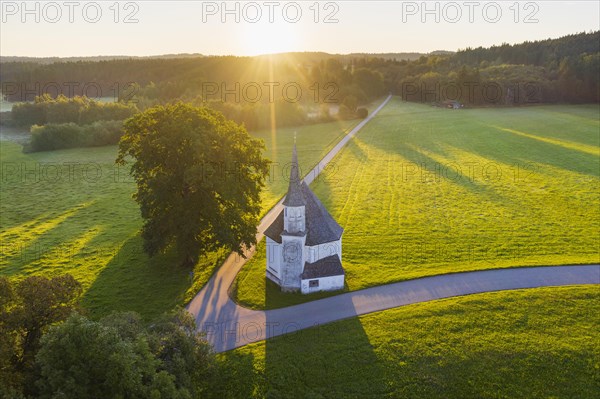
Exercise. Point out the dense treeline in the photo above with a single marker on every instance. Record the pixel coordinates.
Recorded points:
(233, 79)
(297, 92)
(541, 53)
(566, 69)
(174, 78)
(554, 70)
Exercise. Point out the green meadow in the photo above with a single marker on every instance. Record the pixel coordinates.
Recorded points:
(71, 211)
(538, 343)
(420, 191)
(423, 191)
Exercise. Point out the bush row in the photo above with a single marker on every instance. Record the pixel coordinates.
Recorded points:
(70, 135)
(80, 110)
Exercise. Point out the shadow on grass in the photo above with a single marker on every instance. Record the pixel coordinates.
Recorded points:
(486, 345)
(540, 150)
(324, 361)
(277, 299)
(484, 134)
(29, 241)
(133, 281)
(240, 377)
(309, 361)
(431, 170)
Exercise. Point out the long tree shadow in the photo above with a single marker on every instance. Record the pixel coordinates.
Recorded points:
(133, 281)
(427, 169)
(563, 121)
(478, 132)
(534, 149)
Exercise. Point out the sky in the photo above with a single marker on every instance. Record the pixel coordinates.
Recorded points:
(138, 28)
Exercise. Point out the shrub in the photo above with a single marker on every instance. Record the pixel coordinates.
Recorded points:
(362, 113)
(52, 137)
(70, 135)
(351, 102)
(60, 110)
(344, 112)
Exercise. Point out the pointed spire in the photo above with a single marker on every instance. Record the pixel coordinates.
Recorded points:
(294, 172)
(294, 196)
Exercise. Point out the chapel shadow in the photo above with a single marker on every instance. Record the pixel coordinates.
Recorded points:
(332, 360)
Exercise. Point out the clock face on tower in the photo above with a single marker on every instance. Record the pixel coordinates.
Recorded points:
(291, 251)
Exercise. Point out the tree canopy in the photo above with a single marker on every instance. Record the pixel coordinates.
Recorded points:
(199, 178)
(27, 309)
(119, 357)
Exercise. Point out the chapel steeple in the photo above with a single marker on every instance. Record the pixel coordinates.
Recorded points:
(294, 204)
(294, 196)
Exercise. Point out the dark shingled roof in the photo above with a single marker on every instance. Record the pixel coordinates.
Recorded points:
(275, 229)
(326, 267)
(321, 226)
(294, 195)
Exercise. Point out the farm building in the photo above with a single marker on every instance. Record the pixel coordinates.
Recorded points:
(452, 104)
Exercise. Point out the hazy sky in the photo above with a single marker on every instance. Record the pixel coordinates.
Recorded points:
(80, 28)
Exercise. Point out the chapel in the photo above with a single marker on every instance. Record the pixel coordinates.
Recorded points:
(304, 242)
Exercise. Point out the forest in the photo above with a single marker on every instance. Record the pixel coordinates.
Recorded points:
(303, 88)
(562, 70)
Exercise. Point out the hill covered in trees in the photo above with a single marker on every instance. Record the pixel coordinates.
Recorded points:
(547, 71)
(566, 69)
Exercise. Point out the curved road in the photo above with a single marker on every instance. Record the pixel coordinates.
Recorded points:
(228, 325)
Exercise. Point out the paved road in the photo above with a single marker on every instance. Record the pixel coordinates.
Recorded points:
(229, 325)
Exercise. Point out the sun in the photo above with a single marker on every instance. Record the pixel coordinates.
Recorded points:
(268, 38)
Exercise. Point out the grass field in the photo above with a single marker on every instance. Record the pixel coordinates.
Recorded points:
(539, 343)
(423, 191)
(313, 141)
(71, 211)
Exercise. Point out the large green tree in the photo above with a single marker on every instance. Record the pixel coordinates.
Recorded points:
(119, 357)
(9, 377)
(84, 359)
(27, 309)
(199, 178)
